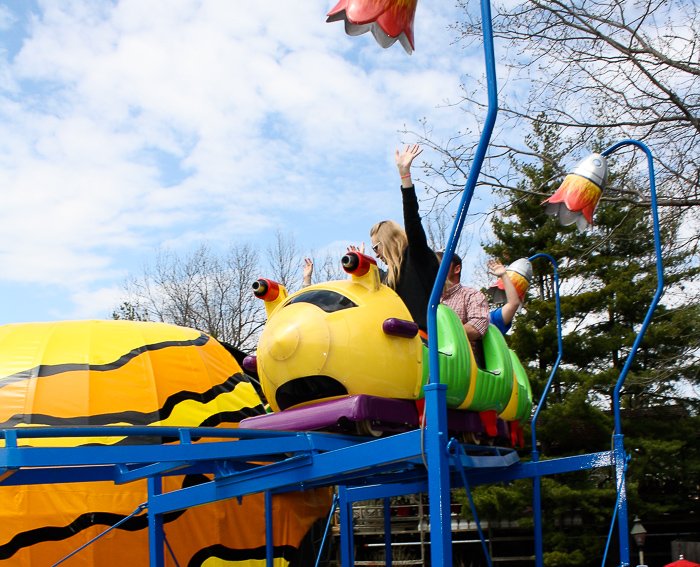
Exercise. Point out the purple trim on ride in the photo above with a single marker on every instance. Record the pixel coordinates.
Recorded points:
(341, 415)
(250, 363)
(400, 328)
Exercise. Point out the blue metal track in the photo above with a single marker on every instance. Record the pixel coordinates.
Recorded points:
(377, 468)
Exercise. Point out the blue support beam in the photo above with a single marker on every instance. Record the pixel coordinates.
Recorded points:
(334, 506)
(543, 468)
(124, 474)
(346, 528)
(393, 466)
(59, 475)
(479, 475)
(535, 454)
(334, 467)
(269, 534)
(358, 494)
(263, 449)
(156, 538)
(387, 531)
(438, 477)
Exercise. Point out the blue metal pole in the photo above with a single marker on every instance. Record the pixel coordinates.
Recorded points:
(622, 523)
(659, 276)
(435, 393)
(170, 550)
(155, 525)
(328, 527)
(535, 454)
(438, 474)
(618, 440)
(104, 533)
(457, 451)
(346, 528)
(387, 532)
(269, 536)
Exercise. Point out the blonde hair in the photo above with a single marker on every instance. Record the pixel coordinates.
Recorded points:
(394, 242)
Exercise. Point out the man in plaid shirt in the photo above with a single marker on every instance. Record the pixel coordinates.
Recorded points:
(471, 307)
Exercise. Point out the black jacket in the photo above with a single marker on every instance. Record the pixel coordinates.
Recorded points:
(419, 266)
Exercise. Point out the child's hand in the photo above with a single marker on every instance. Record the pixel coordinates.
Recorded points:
(496, 268)
(307, 271)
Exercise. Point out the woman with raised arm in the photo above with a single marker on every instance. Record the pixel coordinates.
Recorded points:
(412, 265)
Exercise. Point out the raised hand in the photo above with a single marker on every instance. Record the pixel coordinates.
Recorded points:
(406, 157)
(496, 268)
(308, 271)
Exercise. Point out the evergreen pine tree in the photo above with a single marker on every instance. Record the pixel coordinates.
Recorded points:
(608, 279)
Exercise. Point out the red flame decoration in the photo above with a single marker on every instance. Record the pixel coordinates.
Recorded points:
(388, 20)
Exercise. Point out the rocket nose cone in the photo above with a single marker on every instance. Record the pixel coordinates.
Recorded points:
(595, 168)
(523, 267)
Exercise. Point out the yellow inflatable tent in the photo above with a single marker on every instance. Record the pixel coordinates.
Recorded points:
(127, 373)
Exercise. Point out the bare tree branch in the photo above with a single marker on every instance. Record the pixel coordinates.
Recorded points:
(601, 71)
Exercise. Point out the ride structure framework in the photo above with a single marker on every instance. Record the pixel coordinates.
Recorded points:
(251, 461)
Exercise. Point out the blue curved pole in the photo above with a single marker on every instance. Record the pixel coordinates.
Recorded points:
(560, 345)
(618, 444)
(535, 454)
(435, 393)
(659, 276)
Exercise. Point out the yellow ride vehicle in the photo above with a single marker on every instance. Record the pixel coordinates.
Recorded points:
(356, 337)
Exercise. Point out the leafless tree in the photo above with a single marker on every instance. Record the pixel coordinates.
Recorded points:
(243, 312)
(212, 292)
(438, 227)
(284, 262)
(201, 290)
(173, 288)
(601, 71)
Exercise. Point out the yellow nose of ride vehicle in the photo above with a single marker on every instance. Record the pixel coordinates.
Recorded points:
(329, 340)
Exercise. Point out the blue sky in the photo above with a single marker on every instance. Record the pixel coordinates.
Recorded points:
(129, 125)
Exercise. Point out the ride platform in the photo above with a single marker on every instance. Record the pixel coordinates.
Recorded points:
(252, 461)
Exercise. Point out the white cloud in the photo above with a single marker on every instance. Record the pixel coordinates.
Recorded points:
(127, 125)
(97, 304)
(6, 18)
